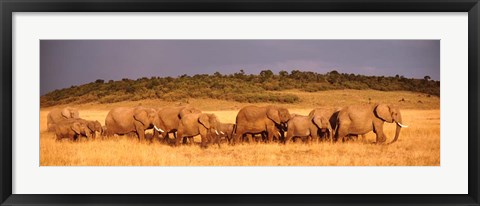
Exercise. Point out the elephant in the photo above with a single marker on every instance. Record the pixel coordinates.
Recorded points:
(123, 120)
(256, 120)
(60, 114)
(225, 130)
(170, 119)
(301, 126)
(360, 119)
(278, 135)
(202, 124)
(325, 119)
(71, 129)
(93, 126)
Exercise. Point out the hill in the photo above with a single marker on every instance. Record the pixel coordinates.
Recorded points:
(266, 87)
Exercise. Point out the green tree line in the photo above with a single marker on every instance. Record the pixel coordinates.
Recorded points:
(238, 87)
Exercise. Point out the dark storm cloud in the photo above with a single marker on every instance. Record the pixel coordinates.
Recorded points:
(72, 62)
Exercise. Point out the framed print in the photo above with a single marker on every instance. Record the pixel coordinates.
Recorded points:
(266, 102)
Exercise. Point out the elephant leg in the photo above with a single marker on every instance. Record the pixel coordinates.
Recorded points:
(184, 140)
(204, 138)
(203, 143)
(378, 129)
(314, 136)
(288, 137)
(178, 137)
(342, 133)
(363, 138)
(270, 137)
(249, 138)
(238, 135)
(140, 131)
(270, 132)
(141, 135)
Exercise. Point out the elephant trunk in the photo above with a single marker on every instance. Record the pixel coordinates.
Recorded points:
(397, 130)
(330, 133)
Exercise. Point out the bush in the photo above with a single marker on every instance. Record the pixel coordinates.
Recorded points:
(237, 87)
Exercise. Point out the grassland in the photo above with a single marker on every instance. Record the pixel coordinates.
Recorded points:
(418, 145)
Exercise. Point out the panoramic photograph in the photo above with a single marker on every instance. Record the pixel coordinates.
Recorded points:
(239, 102)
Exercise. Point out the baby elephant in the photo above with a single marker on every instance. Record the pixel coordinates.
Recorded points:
(301, 126)
(71, 129)
(93, 126)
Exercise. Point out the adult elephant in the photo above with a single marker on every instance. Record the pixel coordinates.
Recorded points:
(124, 120)
(301, 126)
(361, 119)
(201, 124)
(324, 119)
(257, 120)
(170, 118)
(60, 114)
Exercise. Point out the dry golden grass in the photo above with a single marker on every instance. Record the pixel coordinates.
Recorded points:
(418, 145)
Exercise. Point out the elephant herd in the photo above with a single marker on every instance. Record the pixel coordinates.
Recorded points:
(253, 123)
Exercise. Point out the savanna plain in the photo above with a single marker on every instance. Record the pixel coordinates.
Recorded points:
(418, 145)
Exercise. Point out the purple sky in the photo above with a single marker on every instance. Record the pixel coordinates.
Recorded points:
(73, 62)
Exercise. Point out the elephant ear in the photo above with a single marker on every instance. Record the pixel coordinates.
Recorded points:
(141, 116)
(91, 126)
(317, 121)
(76, 127)
(98, 126)
(204, 119)
(66, 113)
(272, 113)
(382, 111)
(213, 119)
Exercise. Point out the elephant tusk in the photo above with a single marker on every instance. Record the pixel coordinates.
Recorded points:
(279, 133)
(401, 125)
(216, 132)
(222, 132)
(158, 129)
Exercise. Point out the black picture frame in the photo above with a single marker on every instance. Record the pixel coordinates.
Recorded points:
(7, 7)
